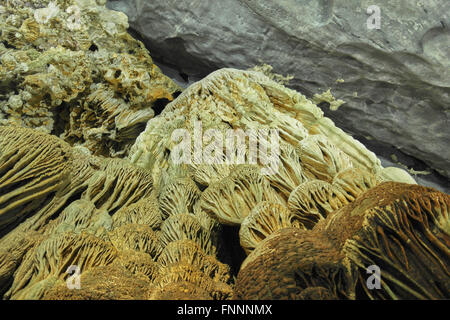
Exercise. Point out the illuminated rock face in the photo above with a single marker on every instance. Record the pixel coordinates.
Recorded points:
(310, 146)
(71, 69)
(250, 100)
(394, 80)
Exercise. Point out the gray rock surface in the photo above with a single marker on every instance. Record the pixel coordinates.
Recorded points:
(396, 79)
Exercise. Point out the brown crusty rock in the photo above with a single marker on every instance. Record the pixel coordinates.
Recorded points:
(291, 261)
(249, 100)
(401, 228)
(290, 173)
(354, 182)
(404, 230)
(137, 237)
(190, 253)
(110, 282)
(186, 226)
(322, 158)
(178, 274)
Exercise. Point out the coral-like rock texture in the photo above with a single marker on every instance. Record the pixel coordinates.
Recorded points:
(394, 77)
(62, 207)
(249, 100)
(313, 155)
(311, 219)
(71, 69)
(400, 228)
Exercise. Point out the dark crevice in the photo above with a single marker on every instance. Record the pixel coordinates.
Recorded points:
(231, 252)
(107, 194)
(74, 197)
(129, 134)
(93, 47)
(32, 207)
(159, 105)
(166, 153)
(113, 211)
(361, 288)
(300, 281)
(176, 94)
(5, 284)
(200, 186)
(324, 105)
(8, 46)
(158, 52)
(61, 119)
